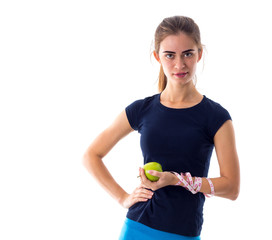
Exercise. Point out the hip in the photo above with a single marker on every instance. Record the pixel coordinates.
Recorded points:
(133, 230)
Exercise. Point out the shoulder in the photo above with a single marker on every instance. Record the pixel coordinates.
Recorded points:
(141, 104)
(216, 115)
(212, 104)
(136, 110)
(214, 108)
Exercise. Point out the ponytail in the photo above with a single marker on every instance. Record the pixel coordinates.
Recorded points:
(162, 80)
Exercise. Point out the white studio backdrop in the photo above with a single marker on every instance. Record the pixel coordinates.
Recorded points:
(68, 68)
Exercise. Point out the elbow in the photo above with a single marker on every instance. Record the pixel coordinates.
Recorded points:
(234, 196)
(234, 193)
(86, 159)
(230, 190)
(90, 160)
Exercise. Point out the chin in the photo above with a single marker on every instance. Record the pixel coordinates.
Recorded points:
(181, 81)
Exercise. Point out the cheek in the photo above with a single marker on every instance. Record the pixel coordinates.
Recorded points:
(192, 63)
(167, 69)
(167, 65)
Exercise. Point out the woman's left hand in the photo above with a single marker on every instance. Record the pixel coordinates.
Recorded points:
(165, 179)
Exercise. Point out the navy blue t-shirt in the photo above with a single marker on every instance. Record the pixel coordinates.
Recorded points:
(181, 140)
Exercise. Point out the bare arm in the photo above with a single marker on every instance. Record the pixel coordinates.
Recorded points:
(228, 184)
(92, 160)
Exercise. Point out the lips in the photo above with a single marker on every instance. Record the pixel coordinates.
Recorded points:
(181, 74)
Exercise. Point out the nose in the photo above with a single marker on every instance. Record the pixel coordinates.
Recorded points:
(180, 63)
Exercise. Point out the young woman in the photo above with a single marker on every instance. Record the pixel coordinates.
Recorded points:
(179, 129)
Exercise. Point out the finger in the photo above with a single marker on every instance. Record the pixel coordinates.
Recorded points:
(141, 200)
(146, 182)
(144, 194)
(138, 199)
(142, 173)
(144, 190)
(155, 173)
(144, 179)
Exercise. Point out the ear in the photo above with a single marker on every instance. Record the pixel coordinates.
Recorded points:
(156, 56)
(200, 54)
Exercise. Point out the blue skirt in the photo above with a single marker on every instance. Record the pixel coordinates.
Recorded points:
(134, 231)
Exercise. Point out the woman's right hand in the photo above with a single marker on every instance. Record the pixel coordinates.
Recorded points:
(140, 194)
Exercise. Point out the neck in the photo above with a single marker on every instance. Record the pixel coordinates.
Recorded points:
(181, 93)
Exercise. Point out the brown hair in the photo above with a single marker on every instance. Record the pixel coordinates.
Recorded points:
(173, 26)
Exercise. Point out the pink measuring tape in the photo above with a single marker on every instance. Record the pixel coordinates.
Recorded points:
(193, 186)
(212, 188)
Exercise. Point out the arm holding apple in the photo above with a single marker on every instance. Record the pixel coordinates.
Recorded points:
(92, 160)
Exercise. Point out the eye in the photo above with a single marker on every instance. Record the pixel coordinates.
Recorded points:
(188, 54)
(169, 56)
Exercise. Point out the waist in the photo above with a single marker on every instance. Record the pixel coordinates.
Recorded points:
(171, 209)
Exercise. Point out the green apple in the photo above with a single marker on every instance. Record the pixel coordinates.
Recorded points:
(152, 166)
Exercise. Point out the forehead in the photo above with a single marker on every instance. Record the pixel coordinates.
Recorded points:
(177, 43)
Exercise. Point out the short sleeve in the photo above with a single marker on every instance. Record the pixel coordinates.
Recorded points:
(133, 113)
(219, 116)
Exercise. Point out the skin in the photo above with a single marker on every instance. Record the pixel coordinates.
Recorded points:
(180, 92)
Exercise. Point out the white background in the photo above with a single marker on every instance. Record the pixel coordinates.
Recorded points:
(68, 68)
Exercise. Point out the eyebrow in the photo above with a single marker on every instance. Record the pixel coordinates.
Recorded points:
(188, 50)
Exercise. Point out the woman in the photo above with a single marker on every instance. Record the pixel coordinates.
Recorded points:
(179, 128)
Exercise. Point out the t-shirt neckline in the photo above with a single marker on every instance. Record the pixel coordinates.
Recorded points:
(178, 109)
